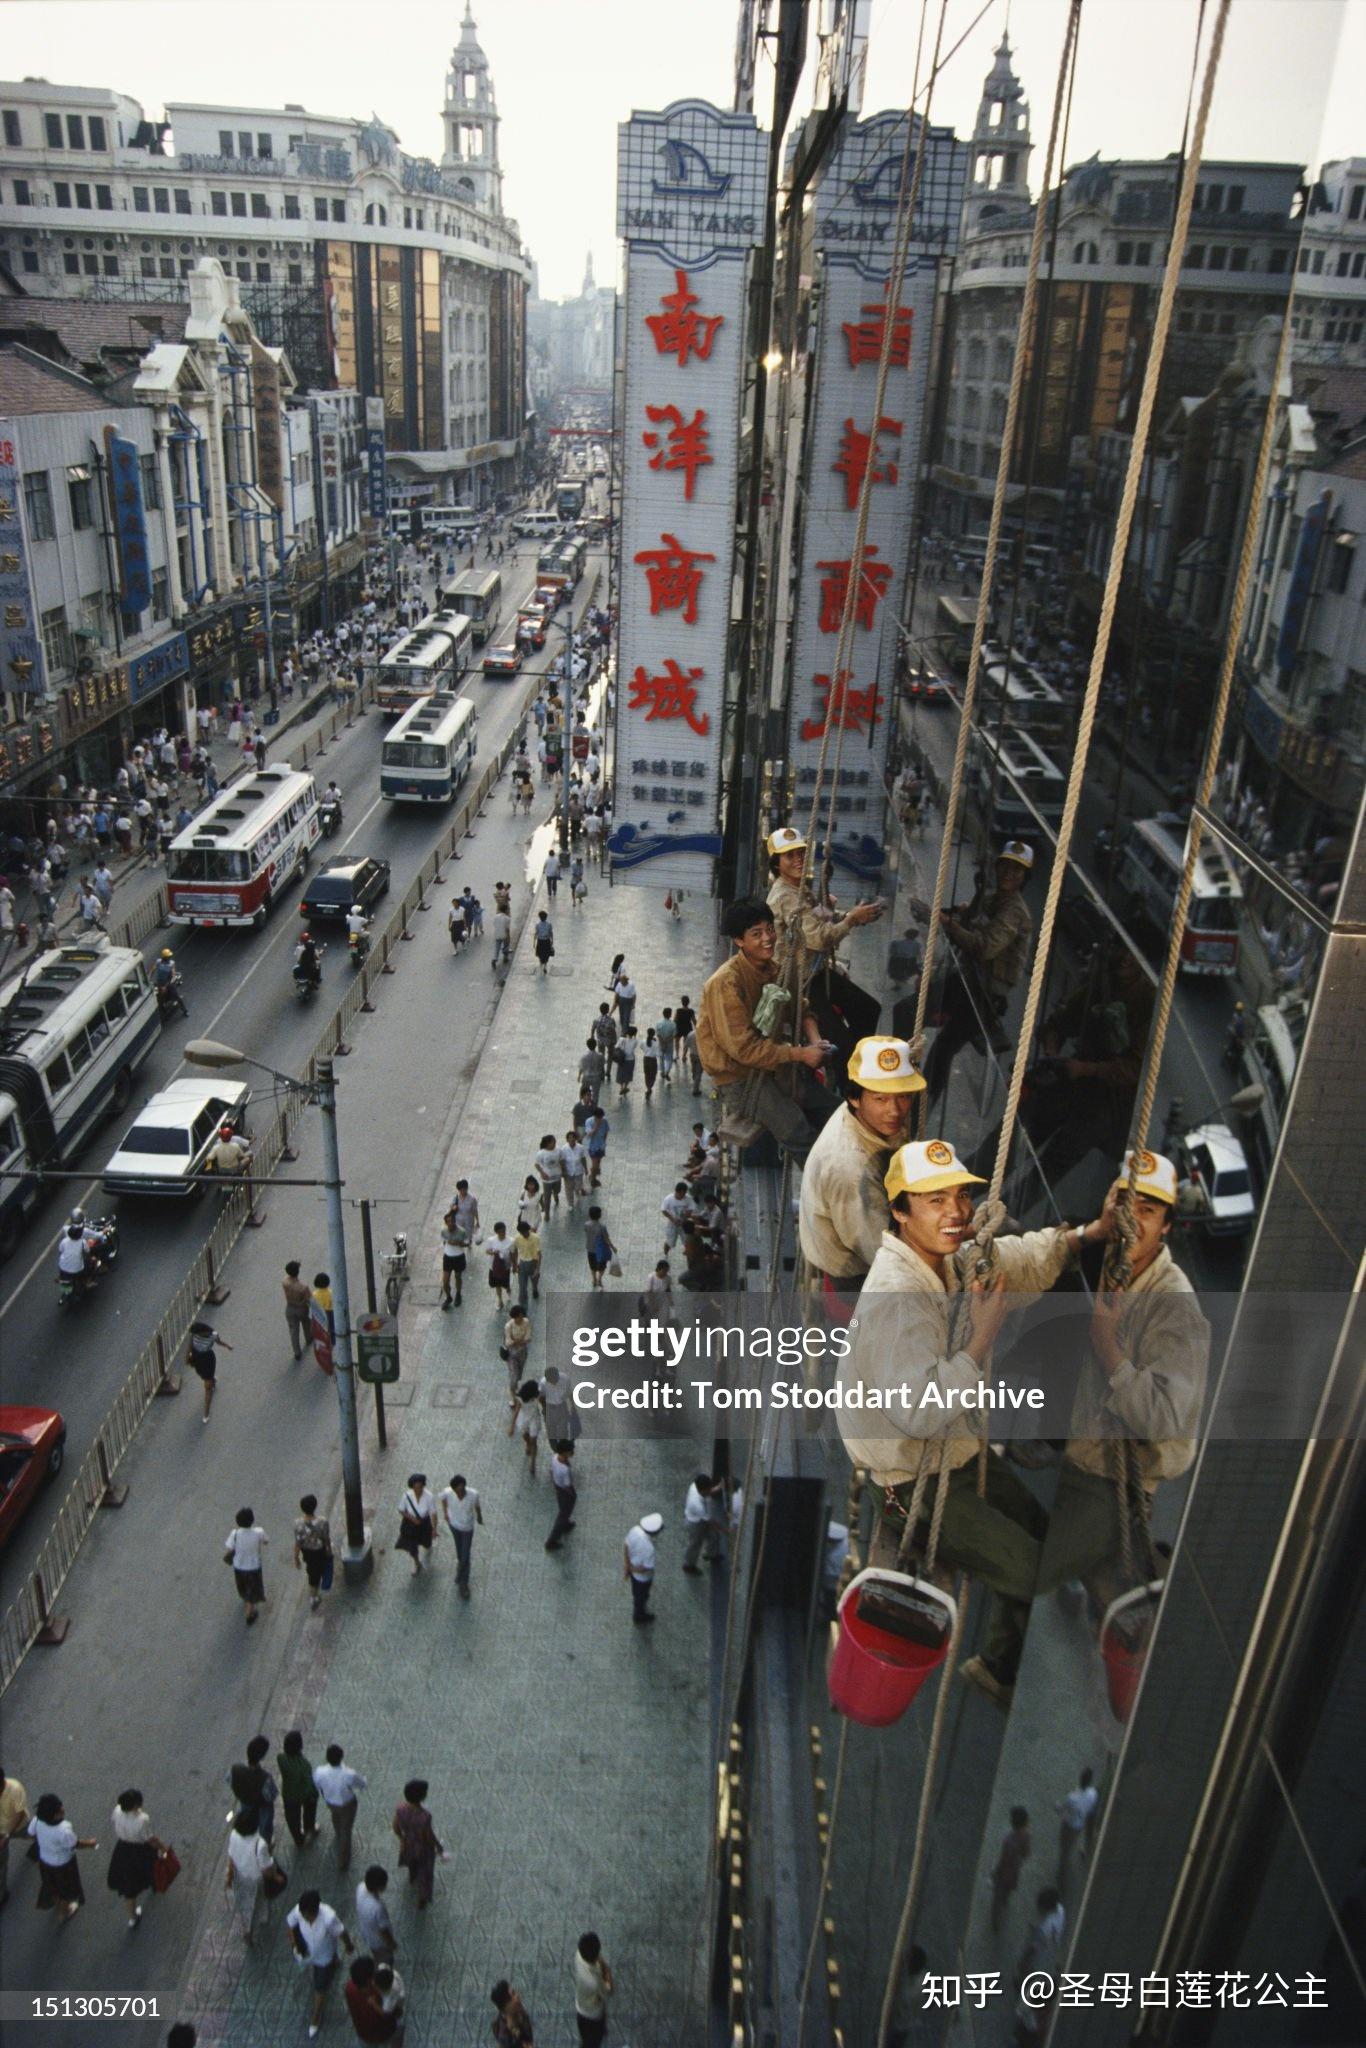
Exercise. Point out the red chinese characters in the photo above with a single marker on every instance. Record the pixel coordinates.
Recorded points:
(845, 706)
(678, 330)
(670, 695)
(872, 588)
(673, 576)
(856, 451)
(686, 446)
(864, 337)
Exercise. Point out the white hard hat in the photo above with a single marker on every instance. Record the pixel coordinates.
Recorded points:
(652, 1524)
(883, 1066)
(925, 1167)
(1150, 1174)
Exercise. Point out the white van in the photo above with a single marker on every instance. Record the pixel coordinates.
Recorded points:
(532, 525)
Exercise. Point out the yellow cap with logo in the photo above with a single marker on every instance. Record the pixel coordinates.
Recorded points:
(1017, 849)
(786, 840)
(1150, 1174)
(925, 1167)
(883, 1066)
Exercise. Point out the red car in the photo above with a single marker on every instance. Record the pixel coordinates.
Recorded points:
(32, 1447)
(502, 661)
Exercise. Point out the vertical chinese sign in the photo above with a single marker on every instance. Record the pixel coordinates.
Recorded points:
(690, 208)
(377, 492)
(849, 709)
(21, 649)
(270, 457)
(129, 522)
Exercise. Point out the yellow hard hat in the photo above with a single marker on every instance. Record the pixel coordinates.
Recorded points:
(925, 1167)
(883, 1066)
(786, 840)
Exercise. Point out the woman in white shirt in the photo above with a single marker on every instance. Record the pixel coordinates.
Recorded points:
(249, 1859)
(136, 1850)
(59, 1877)
(418, 1513)
(548, 1166)
(526, 1421)
(243, 1551)
(529, 1201)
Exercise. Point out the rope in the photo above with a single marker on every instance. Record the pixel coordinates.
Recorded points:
(1017, 372)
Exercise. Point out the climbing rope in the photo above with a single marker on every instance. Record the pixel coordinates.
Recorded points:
(1017, 373)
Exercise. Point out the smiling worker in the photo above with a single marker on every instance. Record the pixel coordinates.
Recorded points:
(844, 1204)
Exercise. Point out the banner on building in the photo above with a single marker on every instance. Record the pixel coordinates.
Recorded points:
(270, 454)
(841, 717)
(1295, 609)
(130, 522)
(377, 503)
(22, 667)
(690, 208)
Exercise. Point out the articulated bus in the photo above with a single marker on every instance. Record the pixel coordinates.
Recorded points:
(230, 864)
(475, 595)
(1025, 771)
(75, 1027)
(432, 657)
(953, 624)
(1147, 877)
(428, 754)
(1032, 705)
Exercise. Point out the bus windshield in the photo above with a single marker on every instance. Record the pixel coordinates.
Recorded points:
(1214, 914)
(413, 754)
(207, 864)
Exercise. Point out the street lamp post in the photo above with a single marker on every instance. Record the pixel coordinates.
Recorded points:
(357, 1556)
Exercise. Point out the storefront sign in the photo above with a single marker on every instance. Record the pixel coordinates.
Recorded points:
(130, 522)
(690, 192)
(841, 719)
(270, 460)
(377, 500)
(89, 702)
(22, 747)
(160, 665)
(22, 666)
(211, 641)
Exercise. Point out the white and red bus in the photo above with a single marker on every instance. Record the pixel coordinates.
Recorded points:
(230, 864)
(1152, 859)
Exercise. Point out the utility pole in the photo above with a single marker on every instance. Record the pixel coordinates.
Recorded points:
(357, 1557)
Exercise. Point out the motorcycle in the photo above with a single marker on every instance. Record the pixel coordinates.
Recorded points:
(358, 944)
(101, 1254)
(330, 816)
(170, 999)
(1234, 1040)
(306, 985)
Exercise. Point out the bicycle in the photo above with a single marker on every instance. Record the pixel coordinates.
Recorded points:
(396, 1273)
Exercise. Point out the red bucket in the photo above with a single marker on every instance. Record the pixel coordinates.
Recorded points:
(1126, 1631)
(894, 1631)
(838, 1307)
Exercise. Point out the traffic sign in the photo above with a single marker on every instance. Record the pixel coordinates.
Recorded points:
(377, 1349)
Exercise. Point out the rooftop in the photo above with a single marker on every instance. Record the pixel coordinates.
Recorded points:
(31, 384)
(101, 340)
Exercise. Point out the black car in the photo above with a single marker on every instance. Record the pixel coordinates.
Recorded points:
(341, 882)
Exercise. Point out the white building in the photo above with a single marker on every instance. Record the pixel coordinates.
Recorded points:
(389, 274)
(1330, 288)
(570, 341)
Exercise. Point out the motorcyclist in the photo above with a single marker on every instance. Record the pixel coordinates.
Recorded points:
(308, 967)
(74, 1262)
(229, 1152)
(1236, 1035)
(165, 974)
(358, 929)
(332, 794)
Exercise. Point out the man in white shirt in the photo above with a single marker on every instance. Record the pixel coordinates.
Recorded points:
(657, 1298)
(702, 1515)
(318, 1936)
(677, 1210)
(1078, 1811)
(574, 1160)
(339, 1784)
(592, 1988)
(566, 1494)
(372, 1915)
(460, 1506)
(640, 1564)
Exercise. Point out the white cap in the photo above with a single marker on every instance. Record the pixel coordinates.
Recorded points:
(925, 1167)
(883, 1066)
(652, 1524)
(786, 840)
(1150, 1174)
(1015, 849)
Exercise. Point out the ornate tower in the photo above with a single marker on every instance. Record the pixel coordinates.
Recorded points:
(589, 287)
(1001, 147)
(470, 123)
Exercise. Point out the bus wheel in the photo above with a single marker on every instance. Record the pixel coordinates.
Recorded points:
(123, 1091)
(259, 919)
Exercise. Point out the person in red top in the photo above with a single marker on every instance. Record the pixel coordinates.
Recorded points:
(363, 2001)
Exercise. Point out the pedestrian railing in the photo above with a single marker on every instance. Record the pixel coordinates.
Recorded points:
(32, 1617)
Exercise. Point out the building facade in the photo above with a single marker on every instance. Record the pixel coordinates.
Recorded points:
(389, 274)
(1330, 285)
(570, 341)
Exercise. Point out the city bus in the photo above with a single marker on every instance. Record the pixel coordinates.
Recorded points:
(475, 595)
(1270, 1055)
(1032, 705)
(569, 499)
(432, 657)
(953, 624)
(1025, 771)
(572, 557)
(1148, 874)
(229, 865)
(450, 522)
(75, 1027)
(428, 754)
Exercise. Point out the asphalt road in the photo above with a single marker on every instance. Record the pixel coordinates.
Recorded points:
(239, 988)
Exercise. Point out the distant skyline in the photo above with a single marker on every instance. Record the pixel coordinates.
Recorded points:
(565, 74)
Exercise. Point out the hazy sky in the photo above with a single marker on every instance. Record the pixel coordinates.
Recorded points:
(566, 72)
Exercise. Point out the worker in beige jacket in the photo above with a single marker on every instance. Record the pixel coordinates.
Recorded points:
(748, 1056)
(904, 1356)
(845, 1011)
(1143, 1382)
(843, 1210)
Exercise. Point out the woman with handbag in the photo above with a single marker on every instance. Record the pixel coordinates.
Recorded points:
(59, 1878)
(418, 1847)
(132, 1866)
(418, 1518)
(313, 1549)
(250, 1864)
